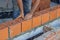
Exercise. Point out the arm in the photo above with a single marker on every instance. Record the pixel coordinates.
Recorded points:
(29, 15)
(35, 6)
(20, 5)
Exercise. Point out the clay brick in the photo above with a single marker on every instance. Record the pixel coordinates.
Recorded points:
(53, 15)
(45, 18)
(9, 23)
(58, 12)
(3, 32)
(26, 25)
(36, 20)
(15, 28)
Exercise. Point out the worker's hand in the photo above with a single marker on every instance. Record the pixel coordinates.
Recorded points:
(28, 16)
(21, 15)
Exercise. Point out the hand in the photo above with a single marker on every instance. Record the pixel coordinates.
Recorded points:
(21, 15)
(28, 16)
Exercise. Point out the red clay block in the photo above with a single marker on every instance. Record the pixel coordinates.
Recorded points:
(3, 32)
(36, 20)
(53, 15)
(58, 12)
(15, 28)
(26, 25)
(45, 18)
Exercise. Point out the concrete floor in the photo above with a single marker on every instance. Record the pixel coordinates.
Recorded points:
(55, 24)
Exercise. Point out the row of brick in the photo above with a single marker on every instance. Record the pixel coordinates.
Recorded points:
(15, 27)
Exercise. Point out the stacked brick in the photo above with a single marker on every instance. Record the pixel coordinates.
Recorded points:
(18, 26)
(42, 5)
(3, 32)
